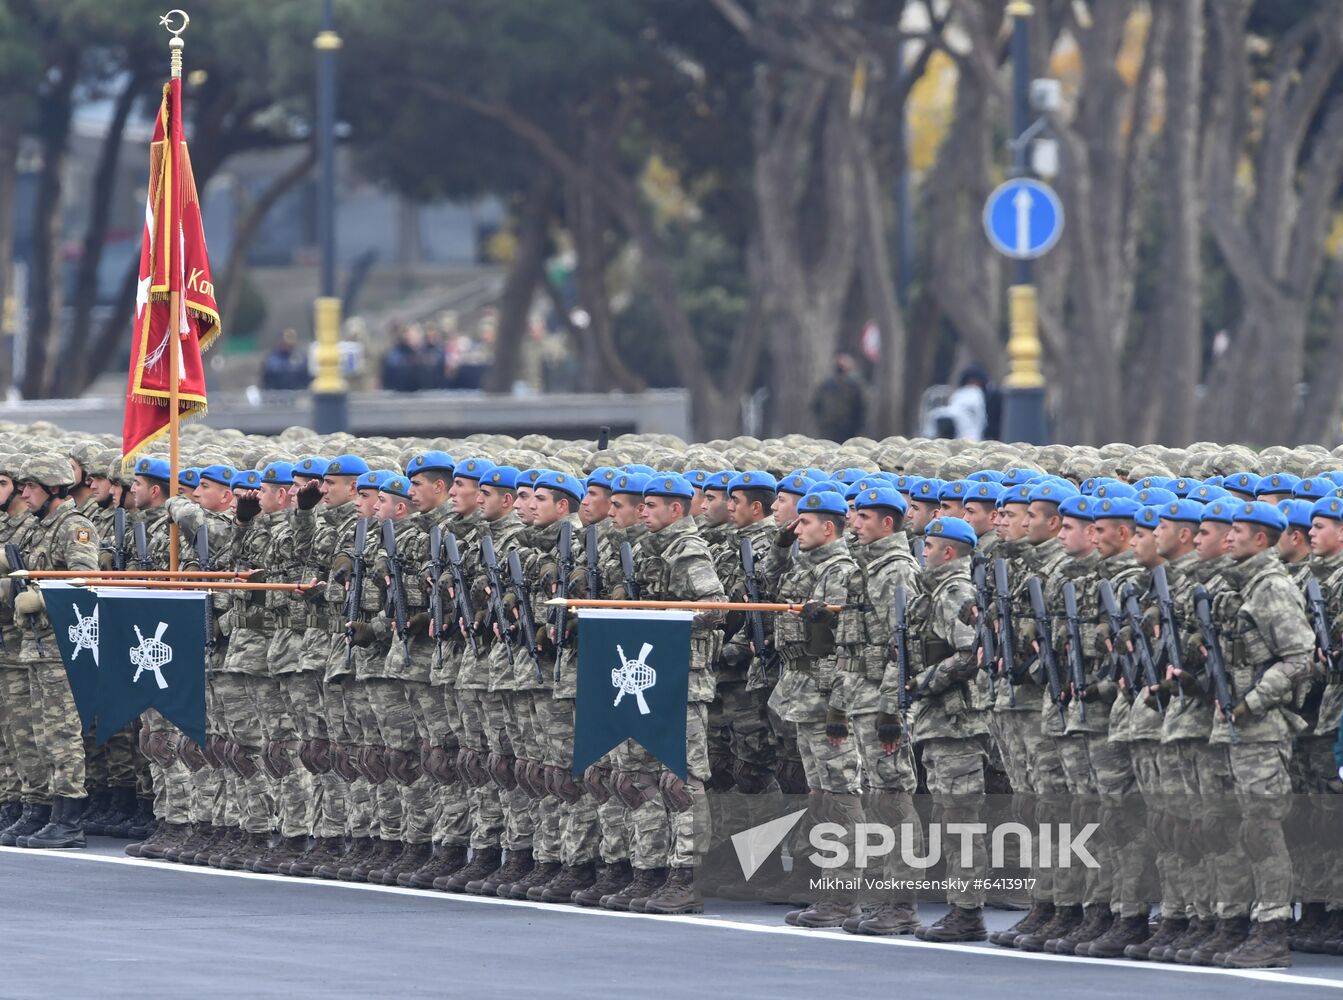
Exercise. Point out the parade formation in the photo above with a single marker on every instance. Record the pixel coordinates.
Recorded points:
(1150, 630)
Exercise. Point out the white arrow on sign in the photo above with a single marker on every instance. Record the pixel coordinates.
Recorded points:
(1023, 202)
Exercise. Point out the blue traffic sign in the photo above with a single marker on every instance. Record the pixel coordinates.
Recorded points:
(1023, 218)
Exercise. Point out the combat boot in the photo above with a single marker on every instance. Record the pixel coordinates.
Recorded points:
(1310, 932)
(1115, 942)
(541, 873)
(484, 862)
(287, 851)
(1200, 929)
(1040, 913)
(1331, 941)
(188, 846)
(677, 895)
(343, 866)
(1064, 920)
(379, 868)
(571, 879)
(827, 913)
(230, 842)
(242, 857)
(1264, 948)
(120, 812)
(207, 847)
(173, 834)
(1230, 932)
(500, 882)
(644, 883)
(412, 858)
(447, 859)
(374, 861)
(611, 877)
(962, 923)
(63, 831)
(140, 824)
(94, 817)
(32, 817)
(865, 910)
(891, 920)
(319, 852)
(1167, 932)
(10, 811)
(1096, 920)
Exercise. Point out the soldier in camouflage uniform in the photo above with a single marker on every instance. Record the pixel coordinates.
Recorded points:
(62, 540)
(11, 784)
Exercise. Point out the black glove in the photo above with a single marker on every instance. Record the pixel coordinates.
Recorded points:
(818, 613)
(310, 496)
(247, 507)
(342, 567)
(361, 634)
(889, 728)
(786, 536)
(836, 725)
(733, 624)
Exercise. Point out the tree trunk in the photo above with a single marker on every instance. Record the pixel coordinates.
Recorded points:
(11, 118)
(526, 271)
(55, 110)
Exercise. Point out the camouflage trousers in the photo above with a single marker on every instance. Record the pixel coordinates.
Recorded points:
(1035, 771)
(486, 803)
(690, 832)
(11, 786)
(1165, 878)
(111, 765)
(57, 727)
(438, 720)
(955, 776)
(1121, 814)
(417, 798)
(349, 720)
(1259, 773)
(292, 793)
(241, 724)
(1077, 885)
(302, 695)
(1318, 815)
(834, 769)
(741, 755)
(647, 830)
(564, 830)
(18, 716)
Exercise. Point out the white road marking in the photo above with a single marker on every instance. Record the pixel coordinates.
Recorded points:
(696, 920)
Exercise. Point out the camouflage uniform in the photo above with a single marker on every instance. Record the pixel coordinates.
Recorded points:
(18, 702)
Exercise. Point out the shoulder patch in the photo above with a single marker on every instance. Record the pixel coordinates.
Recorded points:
(83, 535)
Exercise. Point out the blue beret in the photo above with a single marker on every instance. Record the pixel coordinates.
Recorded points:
(696, 477)
(313, 467)
(1078, 507)
(827, 485)
(953, 529)
(1088, 486)
(1214, 480)
(1207, 493)
(347, 465)
(796, 484)
(643, 470)
(1278, 482)
(1115, 508)
(1242, 482)
(603, 477)
(1182, 510)
(668, 484)
(927, 490)
(1015, 477)
(221, 474)
(528, 478)
(880, 496)
(1147, 517)
(1052, 490)
(871, 482)
(630, 482)
(1314, 488)
(1260, 513)
(561, 481)
(1182, 487)
(373, 479)
(1297, 513)
(752, 481)
(1155, 496)
(1330, 507)
(278, 474)
(823, 502)
(154, 468)
(850, 476)
(431, 461)
(984, 492)
(472, 468)
(396, 485)
(812, 473)
(1021, 493)
(986, 476)
(189, 477)
(1150, 482)
(851, 491)
(248, 479)
(1336, 476)
(906, 483)
(1114, 490)
(717, 481)
(956, 490)
(1219, 511)
(501, 477)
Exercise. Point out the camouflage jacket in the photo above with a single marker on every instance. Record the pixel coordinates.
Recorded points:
(863, 631)
(20, 531)
(1192, 718)
(1329, 571)
(1084, 574)
(1121, 570)
(63, 540)
(735, 662)
(807, 686)
(508, 533)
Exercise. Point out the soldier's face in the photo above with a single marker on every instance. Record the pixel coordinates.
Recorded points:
(337, 490)
(1112, 536)
(813, 531)
(744, 512)
(1326, 536)
(142, 491)
(1273, 498)
(697, 503)
(715, 507)
(548, 507)
(1012, 522)
(6, 488)
(214, 496)
(465, 496)
(979, 516)
(366, 503)
(595, 506)
(659, 512)
(951, 508)
(102, 488)
(1245, 540)
(274, 498)
(494, 502)
(869, 525)
(523, 504)
(625, 510)
(389, 507)
(919, 516)
(33, 494)
(1294, 545)
(1042, 521)
(784, 508)
(1172, 539)
(1143, 544)
(426, 493)
(1210, 542)
(1075, 537)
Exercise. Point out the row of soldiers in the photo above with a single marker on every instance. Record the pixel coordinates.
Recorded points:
(407, 718)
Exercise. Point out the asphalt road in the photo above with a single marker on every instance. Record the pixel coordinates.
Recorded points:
(93, 924)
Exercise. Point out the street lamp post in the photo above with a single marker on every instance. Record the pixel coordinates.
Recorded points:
(1024, 387)
(330, 411)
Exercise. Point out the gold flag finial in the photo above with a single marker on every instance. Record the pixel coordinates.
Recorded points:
(176, 44)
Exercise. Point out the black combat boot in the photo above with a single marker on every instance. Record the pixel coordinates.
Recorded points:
(94, 816)
(1040, 913)
(32, 817)
(187, 849)
(962, 923)
(242, 857)
(541, 873)
(571, 879)
(1170, 930)
(611, 877)
(320, 852)
(484, 861)
(517, 866)
(287, 851)
(119, 814)
(1115, 942)
(1310, 932)
(1065, 919)
(376, 859)
(447, 860)
(343, 866)
(413, 857)
(140, 825)
(390, 855)
(10, 811)
(63, 831)
(643, 884)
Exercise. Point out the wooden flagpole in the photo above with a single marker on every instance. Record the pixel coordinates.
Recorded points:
(175, 46)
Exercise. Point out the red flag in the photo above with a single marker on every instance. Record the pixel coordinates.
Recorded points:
(172, 259)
